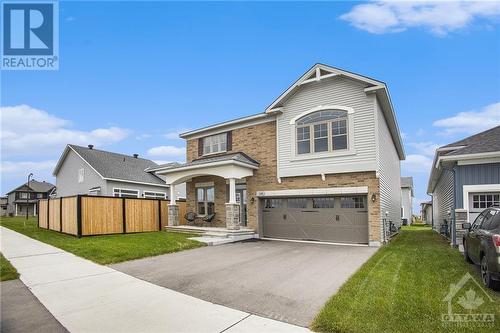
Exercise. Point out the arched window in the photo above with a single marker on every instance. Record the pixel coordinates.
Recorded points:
(322, 131)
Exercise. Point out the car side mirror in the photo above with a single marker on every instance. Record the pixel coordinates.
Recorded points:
(466, 226)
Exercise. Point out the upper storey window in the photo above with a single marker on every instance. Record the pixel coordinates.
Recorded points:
(322, 131)
(215, 144)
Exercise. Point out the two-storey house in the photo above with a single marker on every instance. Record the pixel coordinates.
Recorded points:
(25, 197)
(322, 162)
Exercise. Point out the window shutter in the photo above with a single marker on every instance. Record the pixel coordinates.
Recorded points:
(229, 141)
(200, 146)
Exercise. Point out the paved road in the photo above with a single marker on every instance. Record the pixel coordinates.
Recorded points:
(21, 312)
(285, 281)
(87, 297)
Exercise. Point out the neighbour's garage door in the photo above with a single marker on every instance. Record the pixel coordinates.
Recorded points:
(331, 219)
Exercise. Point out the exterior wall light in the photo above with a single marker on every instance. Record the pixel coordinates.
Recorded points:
(374, 197)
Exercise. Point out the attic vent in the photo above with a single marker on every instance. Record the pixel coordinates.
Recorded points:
(136, 155)
(91, 146)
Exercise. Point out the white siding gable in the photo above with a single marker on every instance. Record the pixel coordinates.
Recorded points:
(333, 91)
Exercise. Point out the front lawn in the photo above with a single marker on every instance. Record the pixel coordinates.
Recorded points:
(106, 249)
(7, 271)
(402, 287)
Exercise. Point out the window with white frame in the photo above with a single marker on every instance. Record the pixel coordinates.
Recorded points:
(215, 144)
(125, 193)
(155, 195)
(205, 200)
(485, 200)
(329, 129)
(81, 175)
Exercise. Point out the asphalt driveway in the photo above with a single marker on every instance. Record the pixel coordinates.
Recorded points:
(280, 280)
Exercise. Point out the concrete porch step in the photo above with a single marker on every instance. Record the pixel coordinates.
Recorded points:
(215, 235)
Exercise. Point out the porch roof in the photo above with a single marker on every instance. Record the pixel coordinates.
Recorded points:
(235, 165)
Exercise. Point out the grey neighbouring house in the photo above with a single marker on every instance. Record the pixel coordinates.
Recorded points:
(86, 170)
(426, 212)
(3, 206)
(407, 199)
(26, 196)
(321, 162)
(464, 180)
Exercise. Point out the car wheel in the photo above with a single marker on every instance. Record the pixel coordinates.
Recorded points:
(485, 274)
(466, 253)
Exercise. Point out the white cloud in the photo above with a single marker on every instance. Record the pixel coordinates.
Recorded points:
(416, 163)
(439, 17)
(471, 121)
(19, 169)
(29, 131)
(143, 136)
(174, 135)
(167, 151)
(426, 148)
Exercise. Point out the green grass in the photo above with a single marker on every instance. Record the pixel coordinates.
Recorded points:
(7, 271)
(106, 249)
(401, 289)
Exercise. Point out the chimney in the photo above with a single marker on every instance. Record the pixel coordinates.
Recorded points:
(91, 146)
(136, 155)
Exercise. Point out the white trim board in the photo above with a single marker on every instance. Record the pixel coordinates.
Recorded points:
(477, 188)
(314, 191)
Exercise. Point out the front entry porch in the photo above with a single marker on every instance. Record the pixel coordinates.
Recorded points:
(216, 191)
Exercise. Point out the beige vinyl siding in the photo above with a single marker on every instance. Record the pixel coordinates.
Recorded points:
(332, 91)
(442, 199)
(389, 172)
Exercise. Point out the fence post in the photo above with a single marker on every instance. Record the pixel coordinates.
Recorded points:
(159, 215)
(38, 215)
(60, 214)
(124, 213)
(79, 216)
(48, 213)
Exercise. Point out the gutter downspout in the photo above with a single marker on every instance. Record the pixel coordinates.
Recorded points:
(453, 224)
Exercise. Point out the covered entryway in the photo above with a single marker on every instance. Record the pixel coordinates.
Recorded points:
(342, 219)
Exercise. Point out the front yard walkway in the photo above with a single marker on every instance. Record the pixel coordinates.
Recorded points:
(402, 288)
(87, 297)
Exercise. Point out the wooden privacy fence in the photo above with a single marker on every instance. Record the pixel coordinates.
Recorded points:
(85, 215)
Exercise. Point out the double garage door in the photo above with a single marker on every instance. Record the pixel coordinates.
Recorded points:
(342, 219)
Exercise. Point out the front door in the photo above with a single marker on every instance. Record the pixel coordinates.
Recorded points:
(241, 199)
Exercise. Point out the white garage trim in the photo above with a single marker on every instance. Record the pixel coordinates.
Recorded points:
(477, 188)
(314, 191)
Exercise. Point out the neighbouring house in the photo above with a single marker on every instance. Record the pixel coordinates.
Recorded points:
(426, 212)
(322, 162)
(3, 206)
(464, 180)
(86, 170)
(407, 199)
(25, 197)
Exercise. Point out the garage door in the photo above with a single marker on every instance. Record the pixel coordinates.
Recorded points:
(331, 219)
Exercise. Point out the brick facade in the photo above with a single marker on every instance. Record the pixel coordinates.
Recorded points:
(259, 142)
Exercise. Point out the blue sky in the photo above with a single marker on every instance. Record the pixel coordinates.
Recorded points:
(132, 74)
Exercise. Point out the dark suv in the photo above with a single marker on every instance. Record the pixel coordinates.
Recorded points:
(482, 245)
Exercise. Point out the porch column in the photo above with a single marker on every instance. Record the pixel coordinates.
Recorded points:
(16, 209)
(232, 208)
(173, 209)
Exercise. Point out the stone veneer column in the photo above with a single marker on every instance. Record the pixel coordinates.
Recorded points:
(232, 216)
(461, 216)
(173, 215)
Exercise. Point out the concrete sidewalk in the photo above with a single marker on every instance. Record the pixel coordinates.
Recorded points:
(87, 297)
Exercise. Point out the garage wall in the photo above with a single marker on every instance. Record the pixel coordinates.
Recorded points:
(389, 172)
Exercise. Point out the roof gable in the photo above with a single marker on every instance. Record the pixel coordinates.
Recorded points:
(34, 186)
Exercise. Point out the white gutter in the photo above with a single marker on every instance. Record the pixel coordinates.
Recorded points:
(227, 123)
(135, 182)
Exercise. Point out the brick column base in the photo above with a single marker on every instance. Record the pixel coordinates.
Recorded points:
(173, 215)
(461, 216)
(232, 216)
